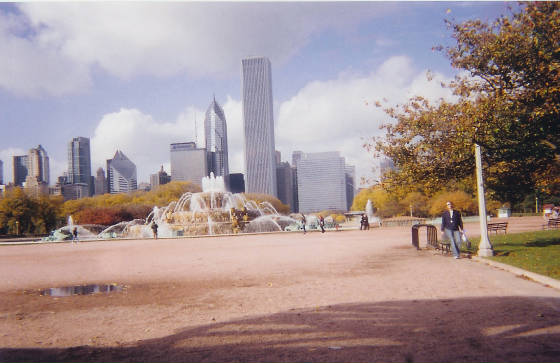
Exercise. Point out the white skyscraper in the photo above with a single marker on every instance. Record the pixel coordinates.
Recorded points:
(321, 181)
(258, 124)
(215, 136)
(121, 174)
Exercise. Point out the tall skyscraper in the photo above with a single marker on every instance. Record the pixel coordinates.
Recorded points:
(38, 164)
(121, 174)
(100, 182)
(79, 162)
(188, 163)
(321, 179)
(20, 166)
(215, 136)
(258, 124)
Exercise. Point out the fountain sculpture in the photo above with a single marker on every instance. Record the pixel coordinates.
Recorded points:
(211, 212)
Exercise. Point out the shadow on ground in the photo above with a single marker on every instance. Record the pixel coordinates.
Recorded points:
(497, 329)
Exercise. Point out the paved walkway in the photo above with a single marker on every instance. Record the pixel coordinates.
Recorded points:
(338, 296)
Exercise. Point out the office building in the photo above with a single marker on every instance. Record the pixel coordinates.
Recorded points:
(188, 163)
(285, 178)
(35, 187)
(215, 137)
(100, 182)
(1, 172)
(350, 174)
(296, 156)
(35, 164)
(321, 182)
(79, 162)
(38, 165)
(236, 183)
(258, 125)
(160, 178)
(121, 174)
(19, 164)
(74, 191)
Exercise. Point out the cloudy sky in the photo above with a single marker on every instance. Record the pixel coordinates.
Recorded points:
(137, 76)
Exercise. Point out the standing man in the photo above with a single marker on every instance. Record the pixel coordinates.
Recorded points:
(452, 226)
(75, 238)
(154, 229)
(303, 221)
(322, 224)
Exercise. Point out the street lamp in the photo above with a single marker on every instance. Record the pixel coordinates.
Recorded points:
(484, 247)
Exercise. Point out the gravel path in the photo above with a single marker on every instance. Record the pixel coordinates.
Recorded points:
(338, 296)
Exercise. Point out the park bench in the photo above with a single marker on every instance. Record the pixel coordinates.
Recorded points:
(496, 227)
(552, 223)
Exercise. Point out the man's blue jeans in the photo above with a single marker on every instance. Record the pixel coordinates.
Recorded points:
(454, 240)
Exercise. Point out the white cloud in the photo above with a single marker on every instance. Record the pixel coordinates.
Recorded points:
(163, 39)
(337, 115)
(29, 68)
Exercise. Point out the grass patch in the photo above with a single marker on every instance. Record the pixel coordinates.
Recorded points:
(532, 251)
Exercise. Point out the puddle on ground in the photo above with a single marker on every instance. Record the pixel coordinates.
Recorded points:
(81, 290)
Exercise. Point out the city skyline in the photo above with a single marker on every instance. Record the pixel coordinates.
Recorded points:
(60, 78)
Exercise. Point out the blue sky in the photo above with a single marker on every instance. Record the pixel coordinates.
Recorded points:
(135, 76)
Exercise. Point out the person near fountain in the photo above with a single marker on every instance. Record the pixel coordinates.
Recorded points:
(364, 222)
(322, 224)
(75, 238)
(452, 226)
(303, 221)
(154, 229)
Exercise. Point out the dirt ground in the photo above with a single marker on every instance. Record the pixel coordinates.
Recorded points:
(335, 297)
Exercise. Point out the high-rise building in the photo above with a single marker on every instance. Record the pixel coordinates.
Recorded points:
(285, 178)
(35, 164)
(38, 165)
(215, 136)
(236, 183)
(321, 179)
(1, 172)
(20, 166)
(100, 182)
(258, 124)
(160, 178)
(188, 163)
(121, 174)
(79, 162)
(296, 156)
(350, 174)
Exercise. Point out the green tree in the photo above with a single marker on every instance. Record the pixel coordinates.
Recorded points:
(508, 102)
(16, 211)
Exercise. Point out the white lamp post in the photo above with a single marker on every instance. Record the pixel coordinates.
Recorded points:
(484, 247)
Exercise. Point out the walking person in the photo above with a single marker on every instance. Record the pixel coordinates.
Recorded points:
(154, 229)
(75, 238)
(452, 226)
(322, 224)
(303, 221)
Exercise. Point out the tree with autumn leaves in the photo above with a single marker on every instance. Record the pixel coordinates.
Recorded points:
(507, 101)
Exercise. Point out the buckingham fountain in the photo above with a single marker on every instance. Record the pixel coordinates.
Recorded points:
(214, 211)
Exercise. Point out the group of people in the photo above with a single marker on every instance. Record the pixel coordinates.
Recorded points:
(364, 222)
(321, 223)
